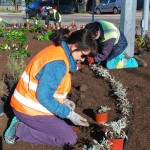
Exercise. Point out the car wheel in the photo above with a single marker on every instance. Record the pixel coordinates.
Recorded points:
(98, 11)
(115, 10)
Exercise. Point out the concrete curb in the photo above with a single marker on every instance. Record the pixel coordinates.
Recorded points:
(139, 14)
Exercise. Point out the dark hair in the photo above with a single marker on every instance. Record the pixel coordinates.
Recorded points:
(60, 35)
(82, 38)
(93, 28)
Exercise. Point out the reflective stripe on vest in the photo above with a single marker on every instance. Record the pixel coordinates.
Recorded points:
(121, 64)
(55, 15)
(32, 85)
(29, 103)
(110, 31)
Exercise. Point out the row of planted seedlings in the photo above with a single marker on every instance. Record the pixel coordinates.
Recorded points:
(116, 131)
(15, 41)
(38, 24)
(37, 27)
(34, 26)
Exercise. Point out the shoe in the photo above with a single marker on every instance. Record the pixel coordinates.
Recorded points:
(141, 62)
(10, 134)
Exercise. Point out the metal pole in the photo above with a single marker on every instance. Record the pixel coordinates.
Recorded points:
(93, 1)
(145, 16)
(127, 23)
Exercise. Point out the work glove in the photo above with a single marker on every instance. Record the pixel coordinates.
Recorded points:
(70, 104)
(77, 119)
(91, 60)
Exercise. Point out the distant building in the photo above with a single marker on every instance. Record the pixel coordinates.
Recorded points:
(9, 5)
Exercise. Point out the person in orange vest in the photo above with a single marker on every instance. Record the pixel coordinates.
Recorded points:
(53, 15)
(40, 102)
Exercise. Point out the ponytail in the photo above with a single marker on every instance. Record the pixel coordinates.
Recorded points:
(60, 35)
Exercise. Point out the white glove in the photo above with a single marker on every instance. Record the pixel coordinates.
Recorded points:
(70, 104)
(77, 119)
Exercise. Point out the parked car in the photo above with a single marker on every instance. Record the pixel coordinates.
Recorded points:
(38, 8)
(108, 6)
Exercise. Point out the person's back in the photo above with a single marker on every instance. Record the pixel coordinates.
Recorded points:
(112, 44)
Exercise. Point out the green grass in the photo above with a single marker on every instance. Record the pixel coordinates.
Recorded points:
(12, 11)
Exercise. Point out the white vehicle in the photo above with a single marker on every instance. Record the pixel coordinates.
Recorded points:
(108, 6)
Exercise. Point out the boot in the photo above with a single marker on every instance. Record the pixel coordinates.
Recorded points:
(141, 62)
(10, 134)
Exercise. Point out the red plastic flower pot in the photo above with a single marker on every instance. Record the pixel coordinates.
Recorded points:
(117, 144)
(101, 118)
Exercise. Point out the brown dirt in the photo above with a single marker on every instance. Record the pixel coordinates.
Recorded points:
(89, 91)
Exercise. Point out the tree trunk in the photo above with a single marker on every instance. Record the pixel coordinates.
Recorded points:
(75, 5)
(97, 2)
(84, 5)
(15, 3)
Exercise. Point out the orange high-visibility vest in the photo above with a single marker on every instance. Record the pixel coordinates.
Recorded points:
(24, 98)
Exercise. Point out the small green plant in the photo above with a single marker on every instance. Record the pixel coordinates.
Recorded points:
(47, 36)
(103, 145)
(21, 53)
(15, 68)
(102, 109)
(2, 88)
(1, 29)
(115, 129)
(139, 42)
(4, 47)
(147, 39)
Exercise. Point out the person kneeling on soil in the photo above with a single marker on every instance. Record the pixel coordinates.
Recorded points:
(111, 47)
(40, 101)
(53, 15)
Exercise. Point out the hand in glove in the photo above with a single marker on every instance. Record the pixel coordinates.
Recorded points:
(91, 60)
(77, 119)
(70, 104)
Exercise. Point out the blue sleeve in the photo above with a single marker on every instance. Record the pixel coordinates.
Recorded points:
(49, 79)
(105, 49)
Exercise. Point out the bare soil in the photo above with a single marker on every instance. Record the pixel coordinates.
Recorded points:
(89, 91)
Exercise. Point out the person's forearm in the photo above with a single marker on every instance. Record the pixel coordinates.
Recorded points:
(106, 49)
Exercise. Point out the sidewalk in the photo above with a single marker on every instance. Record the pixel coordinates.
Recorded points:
(138, 14)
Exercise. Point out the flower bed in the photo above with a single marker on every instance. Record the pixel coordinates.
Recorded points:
(89, 91)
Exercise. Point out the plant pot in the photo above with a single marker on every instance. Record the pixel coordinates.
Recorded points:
(101, 118)
(1, 108)
(117, 144)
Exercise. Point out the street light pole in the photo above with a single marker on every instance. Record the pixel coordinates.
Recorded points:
(93, 3)
(128, 23)
(145, 15)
